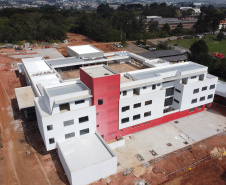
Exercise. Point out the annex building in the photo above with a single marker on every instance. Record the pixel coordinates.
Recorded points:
(86, 99)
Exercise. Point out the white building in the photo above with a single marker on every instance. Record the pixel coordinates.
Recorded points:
(75, 115)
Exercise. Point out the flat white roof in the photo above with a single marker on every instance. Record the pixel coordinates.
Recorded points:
(98, 71)
(35, 65)
(221, 88)
(84, 151)
(25, 97)
(84, 49)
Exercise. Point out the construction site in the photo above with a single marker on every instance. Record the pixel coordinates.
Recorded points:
(188, 150)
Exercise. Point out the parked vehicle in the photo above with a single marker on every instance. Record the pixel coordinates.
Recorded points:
(153, 48)
(175, 45)
(217, 55)
(18, 48)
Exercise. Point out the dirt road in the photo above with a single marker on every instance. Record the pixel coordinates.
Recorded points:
(22, 162)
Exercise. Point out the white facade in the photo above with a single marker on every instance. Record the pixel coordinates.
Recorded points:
(156, 92)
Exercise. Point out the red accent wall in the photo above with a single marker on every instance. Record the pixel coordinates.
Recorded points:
(108, 89)
(152, 123)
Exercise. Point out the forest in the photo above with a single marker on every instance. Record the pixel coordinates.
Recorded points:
(50, 23)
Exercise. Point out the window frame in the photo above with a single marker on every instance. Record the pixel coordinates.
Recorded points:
(67, 136)
(136, 105)
(67, 123)
(145, 114)
(194, 101)
(79, 121)
(122, 122)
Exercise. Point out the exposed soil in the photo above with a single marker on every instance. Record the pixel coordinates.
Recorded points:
(77, 39)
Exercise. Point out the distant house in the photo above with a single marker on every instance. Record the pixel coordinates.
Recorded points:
(168, 55)
(222, 24)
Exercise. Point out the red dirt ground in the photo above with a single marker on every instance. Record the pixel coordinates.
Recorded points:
(77, 39)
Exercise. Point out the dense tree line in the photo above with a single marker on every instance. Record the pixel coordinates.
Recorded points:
(49, 23)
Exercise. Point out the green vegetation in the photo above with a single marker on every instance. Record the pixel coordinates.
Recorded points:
(199, 54)
(212, 42)
(49, 23)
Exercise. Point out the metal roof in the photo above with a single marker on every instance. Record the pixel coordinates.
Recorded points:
(66, 89)
(156, 72)
(175, 58)
(25, 97)
(84, 151)
(63, 62)
(160, 54)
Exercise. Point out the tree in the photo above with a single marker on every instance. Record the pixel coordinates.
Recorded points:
(166, 28)
(199, 47)
(153, 26)
(220, 36)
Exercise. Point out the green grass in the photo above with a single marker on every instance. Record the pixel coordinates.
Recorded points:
(211, 41)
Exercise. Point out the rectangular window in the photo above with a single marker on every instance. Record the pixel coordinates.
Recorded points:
(149, 102)
(210, 96)
(153, 87)
(79, 102)
(135, 117)
(72, 134)
(137, 105)
(204, 88)
(144, 87)
(169, 91)
(158, 84)
(51, 140)
(125, 120)
(193, 77)
(177, 90)
(195, 91)
(125, 108)
(49, 127)
(202, 98)
(184, 80)
(168, 101)
(84, 131)
(124, 93)
(64, 107)
(194, 100)
(146, 114)
(83, 119)
(70, 122)
(212, 86)
(176, 101)
(192, 110)
(100, 102)
(199, 107)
